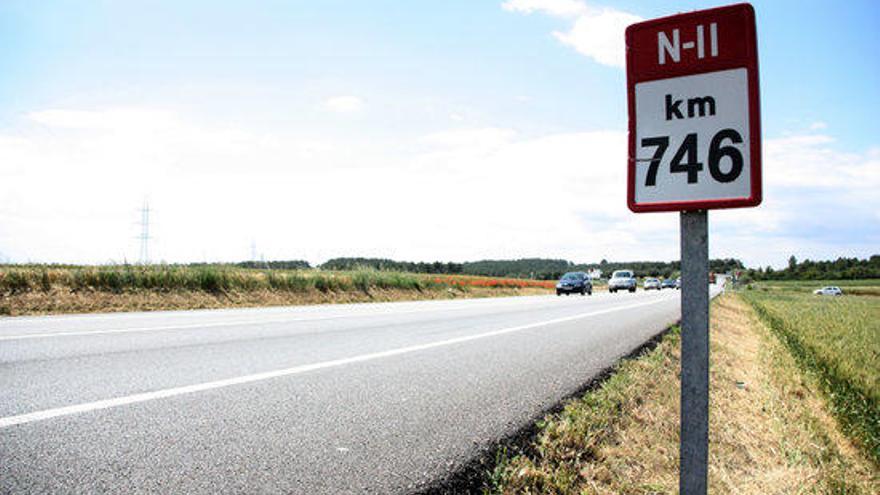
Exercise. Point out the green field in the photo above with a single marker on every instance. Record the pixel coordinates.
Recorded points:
(837, 339)
(866, 287)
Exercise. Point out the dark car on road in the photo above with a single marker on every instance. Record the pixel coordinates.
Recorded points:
(668, 283)
(574, 282)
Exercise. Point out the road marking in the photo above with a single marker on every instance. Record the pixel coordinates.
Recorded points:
(257, 377)
(285, 310)
(26, 336)
(30, 336)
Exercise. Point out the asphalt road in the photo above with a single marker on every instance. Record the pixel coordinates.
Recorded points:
(369, 398)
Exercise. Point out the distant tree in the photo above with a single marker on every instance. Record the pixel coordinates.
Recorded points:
(275, 265)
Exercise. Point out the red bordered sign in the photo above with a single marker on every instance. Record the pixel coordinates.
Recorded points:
(694, 113)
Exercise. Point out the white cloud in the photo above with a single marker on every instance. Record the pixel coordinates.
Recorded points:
(600, 35)
(73, 185)
(818, 126)
(560, 8)
(812, 161)
(344, 104)
(142, 119)
(819, 202)
(482, 137)
(597, 32)
(454, 194)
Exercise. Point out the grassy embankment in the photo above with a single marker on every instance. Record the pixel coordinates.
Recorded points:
(837, 341)
(40, 289)
(771, 427)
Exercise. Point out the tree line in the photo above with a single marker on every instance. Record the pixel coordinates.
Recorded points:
(839, 269)
(276, 265)
(383, 264)
(531, 268)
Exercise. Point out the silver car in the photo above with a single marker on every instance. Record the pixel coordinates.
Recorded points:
(829, 291)
(622, 280)
(651, 283)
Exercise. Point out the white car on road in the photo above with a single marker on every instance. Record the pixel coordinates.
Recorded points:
(622, 280)
(830, 290)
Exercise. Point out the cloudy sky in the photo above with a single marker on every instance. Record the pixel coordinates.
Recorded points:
(415, 130)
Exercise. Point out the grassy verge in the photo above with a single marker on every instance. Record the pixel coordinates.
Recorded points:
(41, 289)
(837, 341)
(769, 431)
(865, 287)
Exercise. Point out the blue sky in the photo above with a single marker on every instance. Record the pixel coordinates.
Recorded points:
(412, 130)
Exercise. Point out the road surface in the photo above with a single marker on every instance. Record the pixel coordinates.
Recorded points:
(369, 398)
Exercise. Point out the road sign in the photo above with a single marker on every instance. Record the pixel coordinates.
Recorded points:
(694, 116)
(694, 144)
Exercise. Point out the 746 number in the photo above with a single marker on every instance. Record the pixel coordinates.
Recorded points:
(685, 158)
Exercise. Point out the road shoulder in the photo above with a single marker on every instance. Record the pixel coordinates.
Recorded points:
(769, 431)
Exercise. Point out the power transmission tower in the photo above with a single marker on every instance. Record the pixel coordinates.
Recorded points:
(145, 233)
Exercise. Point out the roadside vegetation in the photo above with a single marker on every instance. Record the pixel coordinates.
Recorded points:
(33, 289)
(839, 269)
(770, 431)
(837, 340)
(862, 287)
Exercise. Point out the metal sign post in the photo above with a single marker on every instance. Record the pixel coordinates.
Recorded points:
(694, 145)
(694, 441)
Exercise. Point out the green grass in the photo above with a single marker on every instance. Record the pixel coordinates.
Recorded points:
(574, 437)
(838, 340)
(865, 287)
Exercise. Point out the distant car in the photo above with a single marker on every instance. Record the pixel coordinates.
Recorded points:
(651, 283)
(667, 283)
(574, 282)
(622, 280)
(678, 283)
(829, 291)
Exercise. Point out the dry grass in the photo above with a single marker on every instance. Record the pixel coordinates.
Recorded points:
(769, 430)
(41, 289)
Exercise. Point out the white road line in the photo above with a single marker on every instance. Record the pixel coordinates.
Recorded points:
(29, 336)
(201, 387)
(278, 310)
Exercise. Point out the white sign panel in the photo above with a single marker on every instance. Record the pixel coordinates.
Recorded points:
(692, 136)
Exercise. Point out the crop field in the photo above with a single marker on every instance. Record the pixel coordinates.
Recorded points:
(865, 287)
(215, 278)
(837, 339)
(28, 289)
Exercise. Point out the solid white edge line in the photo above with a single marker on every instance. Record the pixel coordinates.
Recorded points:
(28, 336)
(277, 310)
(201, 387)
(110, 331)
